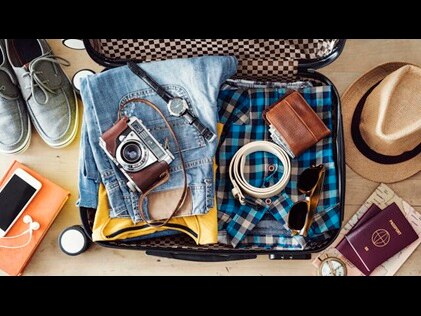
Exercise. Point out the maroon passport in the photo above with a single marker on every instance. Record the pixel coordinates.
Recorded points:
(376, 237)
(344, 247)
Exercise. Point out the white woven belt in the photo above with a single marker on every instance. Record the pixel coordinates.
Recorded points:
(237, 165)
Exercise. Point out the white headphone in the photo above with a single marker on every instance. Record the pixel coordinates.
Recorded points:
(32, 227)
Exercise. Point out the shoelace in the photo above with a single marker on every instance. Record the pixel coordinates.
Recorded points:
(35, 79)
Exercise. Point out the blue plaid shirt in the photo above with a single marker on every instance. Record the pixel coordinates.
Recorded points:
(240, 110)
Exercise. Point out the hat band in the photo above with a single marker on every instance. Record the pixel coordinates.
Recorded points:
(363, 146)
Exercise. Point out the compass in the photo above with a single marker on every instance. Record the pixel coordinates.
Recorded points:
(332, 266)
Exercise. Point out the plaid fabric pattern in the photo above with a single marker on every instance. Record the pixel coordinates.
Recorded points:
(240, 110)
(261, 58)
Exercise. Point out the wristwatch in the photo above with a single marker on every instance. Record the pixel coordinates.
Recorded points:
(177, 106)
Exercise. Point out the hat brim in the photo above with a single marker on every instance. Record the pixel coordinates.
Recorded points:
(358, 162)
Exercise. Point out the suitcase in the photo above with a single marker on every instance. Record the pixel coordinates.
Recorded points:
(267, 59)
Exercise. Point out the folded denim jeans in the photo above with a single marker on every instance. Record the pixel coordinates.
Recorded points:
(197, 80)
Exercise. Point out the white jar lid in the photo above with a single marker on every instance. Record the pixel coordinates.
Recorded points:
(73, 241)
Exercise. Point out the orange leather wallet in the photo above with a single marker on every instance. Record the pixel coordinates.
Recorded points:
(294, 125)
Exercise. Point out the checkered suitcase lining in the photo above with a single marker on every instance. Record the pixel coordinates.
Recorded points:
(181, 241)
(185, 242)
(258, 58)
(174, 242)
(263, 59)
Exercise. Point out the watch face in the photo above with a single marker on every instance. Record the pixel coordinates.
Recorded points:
(332, 267)
(177, 106)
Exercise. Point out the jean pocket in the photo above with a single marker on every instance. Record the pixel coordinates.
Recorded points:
(187, 136)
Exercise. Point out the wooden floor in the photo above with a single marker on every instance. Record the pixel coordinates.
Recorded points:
(61, 166)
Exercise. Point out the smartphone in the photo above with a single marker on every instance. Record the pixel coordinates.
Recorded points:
(15, 196)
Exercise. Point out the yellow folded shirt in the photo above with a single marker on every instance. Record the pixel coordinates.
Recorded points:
(202, 228)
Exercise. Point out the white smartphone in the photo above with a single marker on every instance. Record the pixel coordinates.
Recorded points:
(15, 196)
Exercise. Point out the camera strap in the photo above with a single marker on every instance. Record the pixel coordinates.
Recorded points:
(165, 176)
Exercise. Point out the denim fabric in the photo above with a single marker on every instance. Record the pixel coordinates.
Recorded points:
(197, 80)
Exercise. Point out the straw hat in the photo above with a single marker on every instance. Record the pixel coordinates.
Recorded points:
(382, 123)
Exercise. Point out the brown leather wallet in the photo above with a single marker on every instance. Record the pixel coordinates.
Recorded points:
(294, 125)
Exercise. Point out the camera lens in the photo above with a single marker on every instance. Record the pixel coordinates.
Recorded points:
(131, 152)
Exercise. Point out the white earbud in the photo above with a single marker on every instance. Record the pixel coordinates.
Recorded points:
(34, 226)
(27, 219)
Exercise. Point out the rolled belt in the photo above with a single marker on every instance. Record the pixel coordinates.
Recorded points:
(237, 165)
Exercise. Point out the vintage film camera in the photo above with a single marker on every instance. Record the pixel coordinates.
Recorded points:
(139, 156)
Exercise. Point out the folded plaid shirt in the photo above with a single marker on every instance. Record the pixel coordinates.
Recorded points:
(240, 110)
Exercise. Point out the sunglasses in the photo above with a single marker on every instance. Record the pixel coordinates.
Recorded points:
(310, 183)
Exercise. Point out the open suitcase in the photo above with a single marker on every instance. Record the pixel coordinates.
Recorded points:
(286, 60)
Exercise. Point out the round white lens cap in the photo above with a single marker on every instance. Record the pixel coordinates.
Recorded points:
(73, 241)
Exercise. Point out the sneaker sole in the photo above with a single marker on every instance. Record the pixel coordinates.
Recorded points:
(72, 136)
(24, 146)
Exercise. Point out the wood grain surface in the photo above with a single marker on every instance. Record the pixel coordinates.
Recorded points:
(61, 166)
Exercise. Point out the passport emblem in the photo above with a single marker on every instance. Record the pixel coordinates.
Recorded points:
(380, 238)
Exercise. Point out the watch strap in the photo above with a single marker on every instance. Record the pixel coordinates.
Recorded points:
(135, 68)
(203, 130)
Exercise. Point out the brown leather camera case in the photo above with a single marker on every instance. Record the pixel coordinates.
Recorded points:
(146, 178)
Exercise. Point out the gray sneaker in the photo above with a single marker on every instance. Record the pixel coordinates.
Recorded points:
(15, 127)
(51, 100)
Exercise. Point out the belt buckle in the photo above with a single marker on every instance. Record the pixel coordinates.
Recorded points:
(252, 202)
